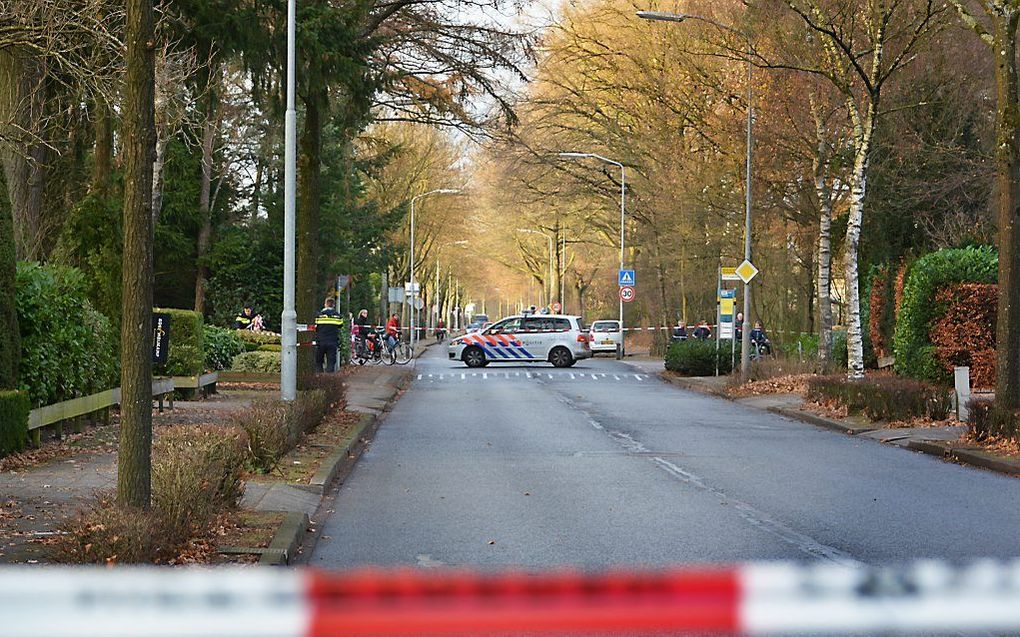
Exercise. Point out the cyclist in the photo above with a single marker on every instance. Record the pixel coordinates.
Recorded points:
(361, 328)
(392, 331)
(760, 340)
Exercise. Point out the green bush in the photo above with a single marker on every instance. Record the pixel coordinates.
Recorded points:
(68, 349)
(259, 362)
(14, 408)
(187, 343)
(695, 357)
(915, 356)
(269, 348)
(221, 346)
(988, 420)
(882, 397)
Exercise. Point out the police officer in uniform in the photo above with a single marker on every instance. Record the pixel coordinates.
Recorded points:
(327, 336)
(244, 319)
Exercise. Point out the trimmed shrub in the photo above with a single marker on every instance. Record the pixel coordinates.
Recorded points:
(915, 355)
(14, 408)
(266, 433)
(197, 471)
(221, 346)
(187, 343)
(965, 333)
(269, 348)
(258, 338)
(882, 397)
(695, 357)
(258, 362)
(68, 349)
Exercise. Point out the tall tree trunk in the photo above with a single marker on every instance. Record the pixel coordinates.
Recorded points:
(309, 194)
(134, 457)
(22, 105)
(10, 343)
(864, 130)
(210, 129)
(1007, 382)
(102, 156)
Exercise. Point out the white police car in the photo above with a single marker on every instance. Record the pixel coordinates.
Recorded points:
(553, 338)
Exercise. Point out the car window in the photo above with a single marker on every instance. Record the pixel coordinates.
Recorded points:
(560, 324)
(535, 324)
(507, 326)
(605, 326)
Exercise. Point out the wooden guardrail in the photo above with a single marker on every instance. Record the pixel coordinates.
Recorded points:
(204, 383)
(76, 409)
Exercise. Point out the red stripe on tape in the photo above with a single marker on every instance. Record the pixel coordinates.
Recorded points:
(411, 602)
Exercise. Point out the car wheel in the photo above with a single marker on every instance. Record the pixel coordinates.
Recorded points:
(474, 357)
(560, 357)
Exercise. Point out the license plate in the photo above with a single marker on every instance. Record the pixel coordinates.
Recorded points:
(607, 342)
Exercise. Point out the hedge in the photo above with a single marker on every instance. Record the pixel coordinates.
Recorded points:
(915, 355)
(14, 408)
(884, 397)
(965, 333)
(187, 343)
(221, 346)
(262, 362)
(695, 357)
(68, 349)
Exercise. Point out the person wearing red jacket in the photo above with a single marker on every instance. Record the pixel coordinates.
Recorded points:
(392, 331)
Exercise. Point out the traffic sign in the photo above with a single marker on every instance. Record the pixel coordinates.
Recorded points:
(729, 274)
(746, 271)
(627, 278)
(627, 293)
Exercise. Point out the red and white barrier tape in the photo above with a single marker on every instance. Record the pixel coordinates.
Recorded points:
(747, 599)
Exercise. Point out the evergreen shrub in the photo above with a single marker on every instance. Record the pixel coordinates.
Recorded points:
(695, 357)
(14, 408)
(221, 346)
(68, 349)
(916, 356)
(187, 343)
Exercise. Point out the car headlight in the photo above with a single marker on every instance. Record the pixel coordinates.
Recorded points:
(455, 342)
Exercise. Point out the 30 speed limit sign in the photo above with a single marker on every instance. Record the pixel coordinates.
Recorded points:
(627, 293)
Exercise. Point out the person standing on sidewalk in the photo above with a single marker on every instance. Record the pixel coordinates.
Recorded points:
(327, 336)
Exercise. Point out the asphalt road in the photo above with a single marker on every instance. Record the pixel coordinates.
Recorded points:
(603, 464)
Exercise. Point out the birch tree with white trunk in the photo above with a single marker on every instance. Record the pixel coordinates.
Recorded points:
(859, 47)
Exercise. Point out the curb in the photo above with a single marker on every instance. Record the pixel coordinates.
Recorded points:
(821, 421)
(691, 385)
(341, 461)
(286, 540)
(973, 457)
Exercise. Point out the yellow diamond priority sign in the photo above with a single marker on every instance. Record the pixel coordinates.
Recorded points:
(746, 271)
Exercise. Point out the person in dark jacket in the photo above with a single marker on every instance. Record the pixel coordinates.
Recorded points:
(327, 336)
(244, 320)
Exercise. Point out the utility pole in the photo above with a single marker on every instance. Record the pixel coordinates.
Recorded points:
(288, 320)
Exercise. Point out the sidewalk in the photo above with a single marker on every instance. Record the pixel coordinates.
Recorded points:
(65, 477)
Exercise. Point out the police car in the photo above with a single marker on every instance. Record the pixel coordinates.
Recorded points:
(554, 338)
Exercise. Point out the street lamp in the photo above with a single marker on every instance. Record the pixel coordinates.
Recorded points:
(288, 319)
(623, 212)
(549, 293)
(414, 288)
(745, 340)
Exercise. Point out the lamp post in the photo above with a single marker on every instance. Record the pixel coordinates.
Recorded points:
(549, 289)
(745, 340)
(414, 287)
(288, 319)
(623, 212)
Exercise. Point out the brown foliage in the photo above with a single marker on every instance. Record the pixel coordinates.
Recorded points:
(878, 309)
(965, 334)
(882, 397)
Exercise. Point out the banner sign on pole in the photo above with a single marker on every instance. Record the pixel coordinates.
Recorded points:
(627, 278)
(160, 337)
(342, 281)
(396, 295)
(729, 274)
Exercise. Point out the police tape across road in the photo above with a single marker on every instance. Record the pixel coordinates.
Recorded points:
(754, 599)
